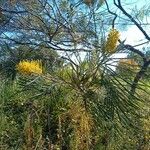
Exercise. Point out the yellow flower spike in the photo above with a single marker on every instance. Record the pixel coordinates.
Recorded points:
(27, 67)
(112, 40)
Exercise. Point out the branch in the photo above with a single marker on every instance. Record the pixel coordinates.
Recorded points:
(139, 75)
(143, 69)
(132, 49)
(131, 18)
(13, 11)
(115, 15)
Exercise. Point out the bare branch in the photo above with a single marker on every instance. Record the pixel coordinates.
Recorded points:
(131, 18)
(132, 49)
(138, 76)
(115, 15)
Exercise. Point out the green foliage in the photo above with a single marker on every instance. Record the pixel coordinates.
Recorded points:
(49, 109)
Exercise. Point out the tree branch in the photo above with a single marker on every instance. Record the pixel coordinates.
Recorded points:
(143, 69)
(132, 19)
(115, 15)
(132, 49)
(139, 75)
(13, 11)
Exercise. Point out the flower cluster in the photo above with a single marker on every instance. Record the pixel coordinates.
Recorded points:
(129, 64)
(111, 42)
(27, 67)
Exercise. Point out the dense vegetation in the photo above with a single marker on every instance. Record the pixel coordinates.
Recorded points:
(63, 86)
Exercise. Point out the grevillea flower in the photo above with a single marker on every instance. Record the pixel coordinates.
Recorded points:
(111, 42)
(129, 64)
(27, 67)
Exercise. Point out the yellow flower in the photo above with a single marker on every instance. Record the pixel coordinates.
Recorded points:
(129, 63)
(111, 42)
(27, 67)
